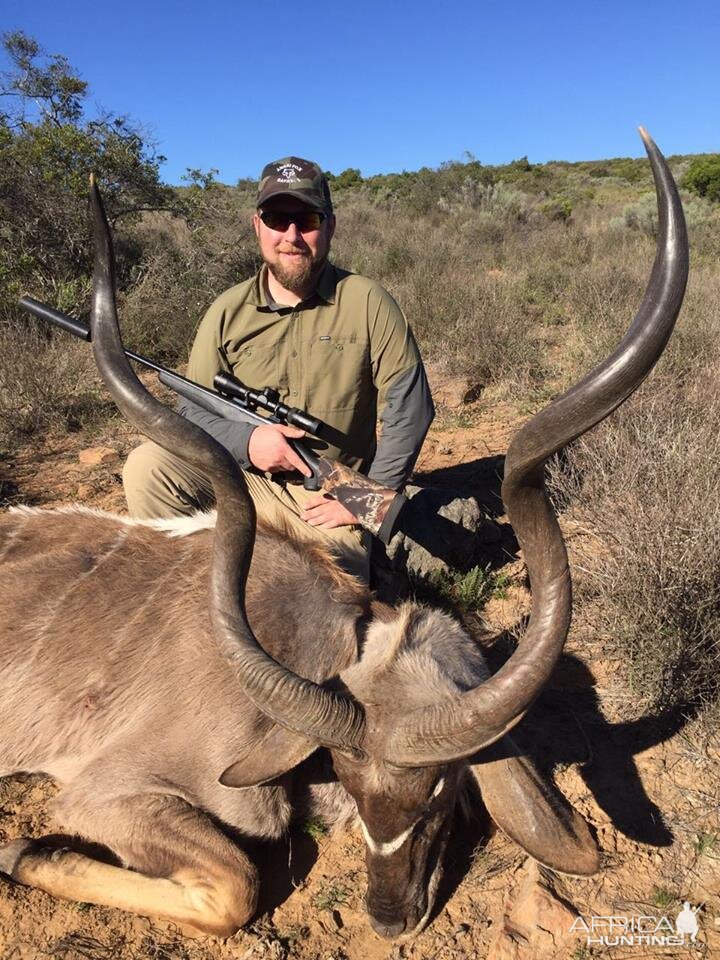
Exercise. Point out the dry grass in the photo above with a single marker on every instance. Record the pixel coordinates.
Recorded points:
(645, 484)
(449, 272)
(46, 380)
(185, 266)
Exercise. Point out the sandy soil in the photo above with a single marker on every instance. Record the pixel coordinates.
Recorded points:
(649, 788)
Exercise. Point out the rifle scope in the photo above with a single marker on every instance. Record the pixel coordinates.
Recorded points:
(268, 399)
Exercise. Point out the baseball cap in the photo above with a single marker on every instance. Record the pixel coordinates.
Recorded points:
(298, 178)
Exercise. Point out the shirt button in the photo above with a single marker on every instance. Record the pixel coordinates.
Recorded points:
(294, 353)
(294, 393)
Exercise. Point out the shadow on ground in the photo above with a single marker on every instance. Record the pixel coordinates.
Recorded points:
(480, 479)
(567, 726)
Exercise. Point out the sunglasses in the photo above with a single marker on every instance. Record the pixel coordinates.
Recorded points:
(304, 220)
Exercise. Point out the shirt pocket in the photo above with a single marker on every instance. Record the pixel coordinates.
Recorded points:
(339, 376)
(255, 364)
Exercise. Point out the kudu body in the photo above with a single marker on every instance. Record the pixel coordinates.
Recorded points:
(174, 680)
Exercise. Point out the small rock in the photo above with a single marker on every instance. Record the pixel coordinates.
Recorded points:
(535, 922)
(93, 456)
(510, 945)
(539, 907)
(84, 491)
(473, 393)
(439, 529)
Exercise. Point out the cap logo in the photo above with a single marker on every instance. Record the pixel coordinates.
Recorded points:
(287, 173)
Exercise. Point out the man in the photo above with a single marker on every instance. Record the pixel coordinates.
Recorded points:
(332, 342)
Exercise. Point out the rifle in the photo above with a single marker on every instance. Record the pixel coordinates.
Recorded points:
(376, 508)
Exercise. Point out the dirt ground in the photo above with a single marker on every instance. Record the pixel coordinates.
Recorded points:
(648, 787)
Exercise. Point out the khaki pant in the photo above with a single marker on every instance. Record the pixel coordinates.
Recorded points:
(159, 485)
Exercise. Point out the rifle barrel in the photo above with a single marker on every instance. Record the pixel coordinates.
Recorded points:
(78, 329)
(42, 310)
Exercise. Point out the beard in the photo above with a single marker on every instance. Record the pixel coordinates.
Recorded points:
(298, 277)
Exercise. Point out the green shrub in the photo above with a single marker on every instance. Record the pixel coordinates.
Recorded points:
(703, 177)
(49, 148)
(557, 208)
(470, 590)
(345, 180)
(501, 200)
(634, 170)
(642, 215)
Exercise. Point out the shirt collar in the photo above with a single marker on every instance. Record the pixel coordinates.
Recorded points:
(325, 289)
(327, 282)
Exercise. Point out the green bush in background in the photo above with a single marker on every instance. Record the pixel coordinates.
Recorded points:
(703, 177)
(49, 146)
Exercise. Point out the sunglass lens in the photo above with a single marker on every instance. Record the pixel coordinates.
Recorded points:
(305, 221)
(309, 221)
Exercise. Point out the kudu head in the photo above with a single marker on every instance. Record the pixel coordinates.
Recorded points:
(398, 726)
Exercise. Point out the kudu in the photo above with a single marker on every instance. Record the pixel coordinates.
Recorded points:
(175, 678)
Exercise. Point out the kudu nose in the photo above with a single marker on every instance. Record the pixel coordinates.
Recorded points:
(388, 930)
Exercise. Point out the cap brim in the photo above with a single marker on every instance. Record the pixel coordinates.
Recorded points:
(298, 195)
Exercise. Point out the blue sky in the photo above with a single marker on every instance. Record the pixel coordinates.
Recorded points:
(390, 86)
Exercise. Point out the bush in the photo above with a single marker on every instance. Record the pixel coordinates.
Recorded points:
(500, 200)
(642, 215)
(442, 269)
(634, 170)
(557, 208)
(703, 178)
(49, 149)
(345, 180)
(185, 265)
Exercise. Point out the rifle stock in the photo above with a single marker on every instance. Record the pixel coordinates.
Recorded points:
(375, 507)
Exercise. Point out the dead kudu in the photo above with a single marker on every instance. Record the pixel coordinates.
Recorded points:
(173, 678)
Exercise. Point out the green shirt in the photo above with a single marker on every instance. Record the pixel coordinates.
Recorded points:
(346, 355)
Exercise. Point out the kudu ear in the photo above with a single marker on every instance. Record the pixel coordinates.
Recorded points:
(279, 751)
(531, 811)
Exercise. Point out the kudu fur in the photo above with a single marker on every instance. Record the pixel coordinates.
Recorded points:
(177, 679)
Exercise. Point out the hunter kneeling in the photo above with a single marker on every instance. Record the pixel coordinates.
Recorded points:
(332, 342)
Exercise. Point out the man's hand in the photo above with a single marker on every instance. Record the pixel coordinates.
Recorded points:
(325, 512)
(269, 450)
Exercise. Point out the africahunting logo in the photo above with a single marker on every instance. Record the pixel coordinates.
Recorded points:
(640, 931)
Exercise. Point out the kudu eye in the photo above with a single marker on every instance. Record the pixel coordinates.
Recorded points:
(434, 798)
